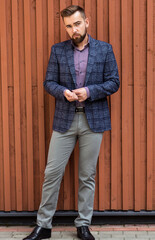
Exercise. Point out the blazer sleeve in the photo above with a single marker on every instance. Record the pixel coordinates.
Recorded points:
(51, 83)
(110, 79)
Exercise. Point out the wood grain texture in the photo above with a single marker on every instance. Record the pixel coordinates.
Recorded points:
(150, 110)
(114, 31)
(136, 38)
(40, 77)
(125, 104)
(17, 105)
(5, 116)
(100, 36)
(28, 79)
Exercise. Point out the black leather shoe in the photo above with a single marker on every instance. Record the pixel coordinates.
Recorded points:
(39, 233)
(84, 233)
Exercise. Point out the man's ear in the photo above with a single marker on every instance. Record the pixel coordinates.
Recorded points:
(87, 22)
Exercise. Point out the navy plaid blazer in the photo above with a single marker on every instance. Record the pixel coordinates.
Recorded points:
(102, 80)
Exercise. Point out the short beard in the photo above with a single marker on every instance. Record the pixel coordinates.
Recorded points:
(79, 39)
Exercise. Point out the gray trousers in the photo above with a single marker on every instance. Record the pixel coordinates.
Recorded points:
(60, 149)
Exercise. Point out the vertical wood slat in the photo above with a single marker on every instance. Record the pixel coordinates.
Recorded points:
(17, 104)
(114, 166)
(63, 33)
(22, 102)
(130, 105)
(150, 104)
(125, 104)
(104, 156)
(88, 13)
(1, 119)
(29, 105)
(143, 99)
(100, 34)
(1, 136)
(75, 2)
(136, 105)
(100, 20)
(5, 110)
(39, 28)
(12, 159)
(2, 200)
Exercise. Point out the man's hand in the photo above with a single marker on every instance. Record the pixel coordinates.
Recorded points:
(81, 93)
(70, 96)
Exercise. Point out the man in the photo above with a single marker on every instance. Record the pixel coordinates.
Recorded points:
(81, 73)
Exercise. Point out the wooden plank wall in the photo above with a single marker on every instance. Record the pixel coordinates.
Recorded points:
(126, 171)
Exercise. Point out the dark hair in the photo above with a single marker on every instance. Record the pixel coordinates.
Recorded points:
(71, 10)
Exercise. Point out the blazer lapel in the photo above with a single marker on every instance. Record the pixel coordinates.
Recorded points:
(70, 59)
(91, 57)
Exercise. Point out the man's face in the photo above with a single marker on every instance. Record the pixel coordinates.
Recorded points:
(76, 27)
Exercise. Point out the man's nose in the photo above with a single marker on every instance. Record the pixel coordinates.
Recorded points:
(74, 29)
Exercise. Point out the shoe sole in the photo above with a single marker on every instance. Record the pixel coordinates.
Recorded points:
(44, 238)
(79, 236)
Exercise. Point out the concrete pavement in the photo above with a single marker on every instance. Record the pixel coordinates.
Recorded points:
(107, 232)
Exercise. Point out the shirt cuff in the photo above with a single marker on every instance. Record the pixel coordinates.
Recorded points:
(88, 92)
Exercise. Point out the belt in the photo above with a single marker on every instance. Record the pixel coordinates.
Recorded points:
(79, 109)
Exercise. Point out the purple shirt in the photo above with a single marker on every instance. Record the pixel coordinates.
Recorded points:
(80, 62)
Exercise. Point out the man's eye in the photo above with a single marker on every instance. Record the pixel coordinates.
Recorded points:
(68, 26)
(77, 24)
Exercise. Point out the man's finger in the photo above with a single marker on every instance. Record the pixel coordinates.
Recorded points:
(77, 91)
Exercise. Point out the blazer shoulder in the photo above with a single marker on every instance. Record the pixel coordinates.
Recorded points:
(104, 44)
(61, 44)
(58, 48)
(104, 47)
